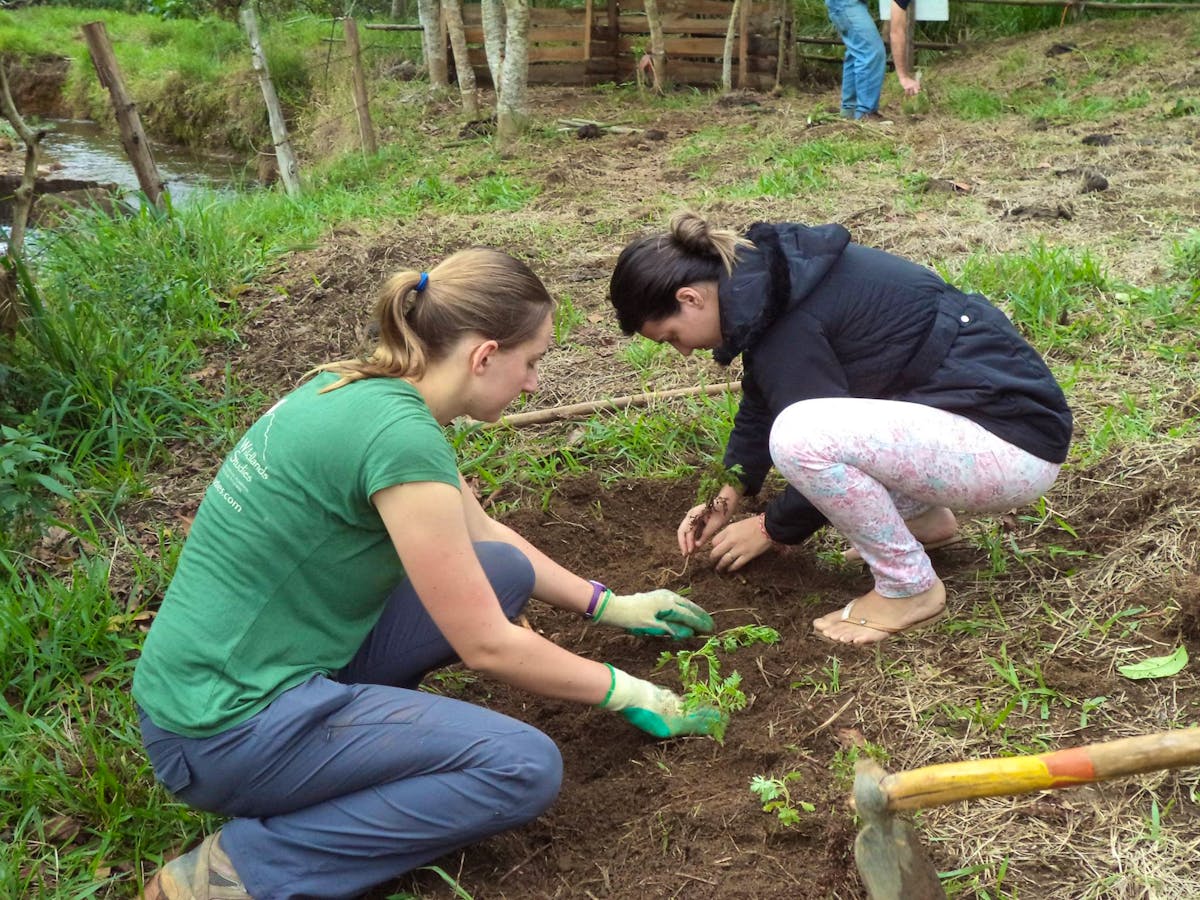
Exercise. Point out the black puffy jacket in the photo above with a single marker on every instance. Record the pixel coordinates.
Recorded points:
(816, 315)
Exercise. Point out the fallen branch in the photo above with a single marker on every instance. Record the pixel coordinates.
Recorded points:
(576, 124)
(11, 307)
(574, 410)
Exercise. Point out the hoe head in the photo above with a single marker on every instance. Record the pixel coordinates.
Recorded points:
(888, 852)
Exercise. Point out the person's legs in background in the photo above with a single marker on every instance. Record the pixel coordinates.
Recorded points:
(865, 59)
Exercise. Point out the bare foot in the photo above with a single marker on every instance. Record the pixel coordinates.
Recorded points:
(884, 616)
(935, 527)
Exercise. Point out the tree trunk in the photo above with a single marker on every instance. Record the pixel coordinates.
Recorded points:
(432, 42)
(493, 40)
(462, 62)
(11, 308)
(658, 47)
(727, 57)
(289, 166)
(511, 108)
(398, 10)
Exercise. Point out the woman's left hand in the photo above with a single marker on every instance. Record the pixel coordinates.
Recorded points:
(739, 543)
(662, 612)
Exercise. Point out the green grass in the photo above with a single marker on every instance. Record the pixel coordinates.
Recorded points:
(974, 104)
(663, 442)
(79, 797)
(792, 170)
(192, 79)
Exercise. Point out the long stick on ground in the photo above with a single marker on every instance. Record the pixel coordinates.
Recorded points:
(575, 410)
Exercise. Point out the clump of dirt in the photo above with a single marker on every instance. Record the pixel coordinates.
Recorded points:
(37, 83)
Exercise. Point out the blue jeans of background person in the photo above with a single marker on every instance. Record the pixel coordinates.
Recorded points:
(348, 781)
(865, 60)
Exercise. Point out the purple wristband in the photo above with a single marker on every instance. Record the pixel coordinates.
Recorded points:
(597, 592)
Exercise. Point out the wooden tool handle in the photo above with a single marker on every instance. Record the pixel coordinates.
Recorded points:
(949, 782)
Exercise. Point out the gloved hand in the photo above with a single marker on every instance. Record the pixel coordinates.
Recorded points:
(656, 710)
(660, 612)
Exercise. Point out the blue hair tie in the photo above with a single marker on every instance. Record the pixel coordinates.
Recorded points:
(421, 282)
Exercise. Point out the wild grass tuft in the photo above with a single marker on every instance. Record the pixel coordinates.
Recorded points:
(80, 799)
(1049, 292)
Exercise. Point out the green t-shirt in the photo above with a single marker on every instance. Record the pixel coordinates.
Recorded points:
(288, 565)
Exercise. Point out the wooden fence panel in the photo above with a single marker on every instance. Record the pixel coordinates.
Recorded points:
(570, 46)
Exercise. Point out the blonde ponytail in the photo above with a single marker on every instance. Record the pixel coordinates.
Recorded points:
(422, 315)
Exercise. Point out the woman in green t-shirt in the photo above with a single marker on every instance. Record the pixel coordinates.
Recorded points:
(338, 557)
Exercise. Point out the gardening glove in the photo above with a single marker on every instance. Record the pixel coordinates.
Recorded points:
(660, 612)
(656, 710)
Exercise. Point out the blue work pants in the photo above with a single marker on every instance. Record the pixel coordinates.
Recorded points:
(865, 59)
(346, 782)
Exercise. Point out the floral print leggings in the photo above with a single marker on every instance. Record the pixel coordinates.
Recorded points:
(869, 465)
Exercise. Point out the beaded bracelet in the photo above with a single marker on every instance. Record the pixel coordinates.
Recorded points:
(762, 526)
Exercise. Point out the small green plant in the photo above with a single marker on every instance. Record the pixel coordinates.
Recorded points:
(567, 317)
(775, 797)
(710, 689)
(448, 682)
(459, 891)
(714, 477)
(31, 474)
(830, 684)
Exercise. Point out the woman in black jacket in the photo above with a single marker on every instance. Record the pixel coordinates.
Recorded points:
(886, 397)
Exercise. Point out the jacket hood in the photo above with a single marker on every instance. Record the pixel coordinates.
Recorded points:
(788, 261)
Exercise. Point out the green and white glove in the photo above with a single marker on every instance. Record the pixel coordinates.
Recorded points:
(660, 612)
(656, 710)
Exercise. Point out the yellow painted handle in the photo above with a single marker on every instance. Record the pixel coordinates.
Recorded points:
(950, 782)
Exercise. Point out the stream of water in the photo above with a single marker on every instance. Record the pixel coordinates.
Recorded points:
(80, 149)
(87, 152)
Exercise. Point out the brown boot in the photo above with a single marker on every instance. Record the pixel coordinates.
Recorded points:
(203, 873)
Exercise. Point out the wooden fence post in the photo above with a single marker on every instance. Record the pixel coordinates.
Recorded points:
(289, 169)
(366, 130)
(743, 43)
(133, 138)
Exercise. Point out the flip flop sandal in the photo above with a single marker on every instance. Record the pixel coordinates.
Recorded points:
(888, 630)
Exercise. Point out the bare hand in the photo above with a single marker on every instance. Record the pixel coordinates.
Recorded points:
(912, 86)
(700, 524)
(738, 544)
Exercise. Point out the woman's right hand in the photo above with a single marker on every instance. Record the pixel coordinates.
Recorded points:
(702, 522)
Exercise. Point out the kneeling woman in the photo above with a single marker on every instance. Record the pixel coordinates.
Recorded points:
(886, 397)
(337, 558)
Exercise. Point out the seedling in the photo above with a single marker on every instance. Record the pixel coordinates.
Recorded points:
(712, 690)
(712, 479)
(775, 797)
